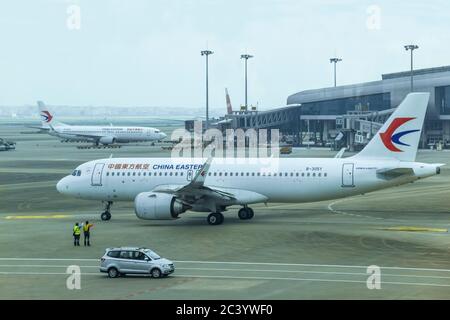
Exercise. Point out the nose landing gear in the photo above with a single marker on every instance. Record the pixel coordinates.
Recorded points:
(106, 215)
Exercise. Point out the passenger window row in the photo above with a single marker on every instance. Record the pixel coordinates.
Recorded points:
(144, 174)
(223, 174)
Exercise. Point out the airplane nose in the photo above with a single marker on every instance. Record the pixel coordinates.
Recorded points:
(162, 135)
(61, 186)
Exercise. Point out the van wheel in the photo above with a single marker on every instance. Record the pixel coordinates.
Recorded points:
(113, 273)
(156, 273)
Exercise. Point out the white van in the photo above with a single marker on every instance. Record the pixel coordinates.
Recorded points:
(130, 260)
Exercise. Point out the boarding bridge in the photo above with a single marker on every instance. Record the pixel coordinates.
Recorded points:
(276, 118)
(358, 127)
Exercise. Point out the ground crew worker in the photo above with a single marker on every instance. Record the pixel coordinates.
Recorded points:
(87, 232)
(76, 234)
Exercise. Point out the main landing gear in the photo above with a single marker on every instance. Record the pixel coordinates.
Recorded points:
(215, 218)
(106, 215)
(246, 213)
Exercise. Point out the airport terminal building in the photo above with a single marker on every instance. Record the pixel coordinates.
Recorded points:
(329, 110)
(350, 115)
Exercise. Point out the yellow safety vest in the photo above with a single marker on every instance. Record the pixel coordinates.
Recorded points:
(76, 230)
(87, 227)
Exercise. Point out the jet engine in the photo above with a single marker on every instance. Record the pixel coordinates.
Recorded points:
(107, 140)
(158, 206)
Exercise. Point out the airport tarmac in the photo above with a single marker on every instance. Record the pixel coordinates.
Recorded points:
(287, 251)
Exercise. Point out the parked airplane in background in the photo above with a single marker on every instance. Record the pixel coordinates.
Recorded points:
(164, 188)
(228, 101)
(229, 109)
(96, 134)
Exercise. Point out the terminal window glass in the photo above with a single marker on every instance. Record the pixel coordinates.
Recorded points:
(442, 99)
(372, 102)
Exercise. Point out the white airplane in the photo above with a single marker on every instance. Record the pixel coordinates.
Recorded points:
(164, 188)
(96, 134)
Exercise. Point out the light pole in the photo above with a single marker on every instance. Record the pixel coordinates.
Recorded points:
(411, 47)
(246, 57)
(335, 60)
(207, 53)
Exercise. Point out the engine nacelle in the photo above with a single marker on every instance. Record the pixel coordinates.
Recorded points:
(158, 206)
(107, 140)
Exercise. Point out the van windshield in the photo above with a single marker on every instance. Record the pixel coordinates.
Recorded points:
(152, 254)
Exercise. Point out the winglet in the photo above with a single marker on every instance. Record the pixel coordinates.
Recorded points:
(200, 177)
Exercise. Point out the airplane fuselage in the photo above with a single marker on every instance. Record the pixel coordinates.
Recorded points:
(108, 135)
(285, 180)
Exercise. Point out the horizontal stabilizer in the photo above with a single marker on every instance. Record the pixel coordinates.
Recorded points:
(395, 172)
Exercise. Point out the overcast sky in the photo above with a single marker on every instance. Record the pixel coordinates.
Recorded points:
(147, 52)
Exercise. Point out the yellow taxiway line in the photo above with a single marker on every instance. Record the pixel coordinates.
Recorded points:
(415, 229)
(52, 216)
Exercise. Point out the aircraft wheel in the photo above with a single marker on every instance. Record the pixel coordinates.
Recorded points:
(243, 214)
(105, 216)
(215, 218)
(251, 213)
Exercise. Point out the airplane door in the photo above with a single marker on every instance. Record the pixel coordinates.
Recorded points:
(190, 175)
(348, 175)
(96, 179)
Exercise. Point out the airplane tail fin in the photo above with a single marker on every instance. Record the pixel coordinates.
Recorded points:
(229, 107)
(399, 137)
(47, 118)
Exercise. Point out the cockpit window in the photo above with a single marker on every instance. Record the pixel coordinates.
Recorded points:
(157, 131)
(76, 173)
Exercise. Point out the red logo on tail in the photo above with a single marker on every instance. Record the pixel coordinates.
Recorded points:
(387, 136)
(46, 116)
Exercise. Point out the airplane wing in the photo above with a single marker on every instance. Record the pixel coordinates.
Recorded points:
(40, 128)
(91, 136)
(196, 187)
(196, 191)
(191, 193)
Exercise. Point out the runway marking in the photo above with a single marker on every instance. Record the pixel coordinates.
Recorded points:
(52, 216)
(330, 207)
(314, 280)
(60, 216)
(240, 263)
(247, 278)
(414, 229)
(48, 259)
(407, 192)
(242, 270)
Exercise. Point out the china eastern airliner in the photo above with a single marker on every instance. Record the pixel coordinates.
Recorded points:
(167, 188)
(105, 135)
